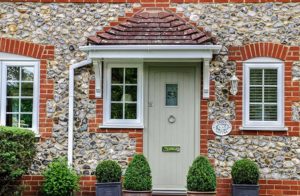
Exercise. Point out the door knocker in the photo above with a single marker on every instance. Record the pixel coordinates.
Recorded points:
(171, 119)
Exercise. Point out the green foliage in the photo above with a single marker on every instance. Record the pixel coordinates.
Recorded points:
(60, 179)
(245, 171)
(201, 176)
(138, 175)
(108, 171)
(17, 150)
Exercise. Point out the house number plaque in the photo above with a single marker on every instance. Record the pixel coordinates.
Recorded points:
(222, 127)
(170, 149)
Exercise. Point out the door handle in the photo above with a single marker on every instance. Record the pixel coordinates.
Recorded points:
(171, 119)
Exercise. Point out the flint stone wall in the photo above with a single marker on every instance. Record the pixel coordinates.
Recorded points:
(67, 25)
(277, 157)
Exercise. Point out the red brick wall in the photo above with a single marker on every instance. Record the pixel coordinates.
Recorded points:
(43, 53)
(33, 186)
(267, 187)
(152, 3)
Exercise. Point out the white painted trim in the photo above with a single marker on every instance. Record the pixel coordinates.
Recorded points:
(263, 60)
(264, 128)
(263, 63)
(151, 51)
(71, 105)
(122, 123)
(36, 86)
(14, 57)
(206, 79)
(215, 48)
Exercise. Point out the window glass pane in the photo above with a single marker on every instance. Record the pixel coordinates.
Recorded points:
(27, 73)
(12, 88)
(27, 89)
(12, 120)
(116, 93)
(13, 73)
(130, 111)
(26, 120)
(130, 93)
(256, 94)
(270, 95)
(171, 94)
(12, 105)
(255, 112)
(116, 111)
(26, 105)
(256, 76)
(117, 75)
(270, 112)
(270, 76)
(131, 76)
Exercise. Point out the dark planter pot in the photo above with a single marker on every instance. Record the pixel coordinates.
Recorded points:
(245, 190)
(136, 193)
(110, 188)
(194, 193)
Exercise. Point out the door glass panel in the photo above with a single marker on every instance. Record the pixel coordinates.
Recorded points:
(171, 94)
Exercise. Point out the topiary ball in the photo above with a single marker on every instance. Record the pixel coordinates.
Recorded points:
(60, 179)
(245, 171)
(138, 175)
(201, 176)
(108, 171)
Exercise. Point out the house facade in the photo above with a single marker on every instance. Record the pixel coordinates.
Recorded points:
(100, 80)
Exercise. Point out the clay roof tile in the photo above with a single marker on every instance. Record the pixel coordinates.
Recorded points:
(154, 27)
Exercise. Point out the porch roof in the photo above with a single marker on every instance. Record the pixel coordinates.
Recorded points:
(152, 26)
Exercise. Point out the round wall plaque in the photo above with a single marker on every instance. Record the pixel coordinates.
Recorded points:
(221, 127)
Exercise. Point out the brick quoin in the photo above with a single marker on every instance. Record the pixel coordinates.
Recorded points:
(44, 53)
(153, 3)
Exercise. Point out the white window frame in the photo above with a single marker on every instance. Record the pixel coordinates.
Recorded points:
(263, 63)
(122, 123)
(16, 60)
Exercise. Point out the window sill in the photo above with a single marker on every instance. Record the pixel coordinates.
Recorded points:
(263, 128)
(121, 126)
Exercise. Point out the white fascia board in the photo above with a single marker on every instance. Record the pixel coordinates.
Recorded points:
(151, 51)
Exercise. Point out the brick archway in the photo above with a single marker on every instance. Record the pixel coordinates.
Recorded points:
(44, 53)
(264, 49)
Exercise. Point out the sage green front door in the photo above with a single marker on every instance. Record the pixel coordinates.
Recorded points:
(171, 123)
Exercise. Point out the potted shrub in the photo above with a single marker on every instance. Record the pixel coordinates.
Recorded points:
(108, 174)
(245, 176)
(60, 179)
(201, 178)
(138, 179)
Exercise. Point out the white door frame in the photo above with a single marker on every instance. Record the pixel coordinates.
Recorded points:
(198, 66)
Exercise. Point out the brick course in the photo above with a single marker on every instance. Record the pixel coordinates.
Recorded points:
(153, 3)
(269, 187)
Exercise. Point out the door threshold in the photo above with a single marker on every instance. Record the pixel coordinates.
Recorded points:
(168, 192)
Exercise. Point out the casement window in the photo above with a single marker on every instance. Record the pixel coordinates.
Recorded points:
(263, 94)
(123, 95)
(19, 82)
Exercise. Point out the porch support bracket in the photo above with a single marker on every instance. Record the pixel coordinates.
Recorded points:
(206, 78)
(97, 66)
